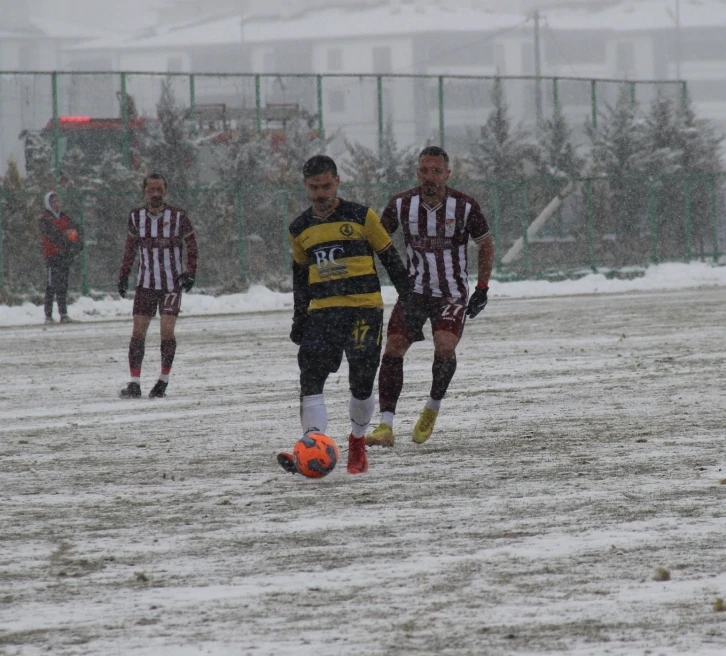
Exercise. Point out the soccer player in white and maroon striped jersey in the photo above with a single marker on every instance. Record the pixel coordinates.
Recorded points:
(437, 222)
(158, 232)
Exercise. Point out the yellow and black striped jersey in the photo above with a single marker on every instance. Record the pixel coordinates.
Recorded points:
(338, 252)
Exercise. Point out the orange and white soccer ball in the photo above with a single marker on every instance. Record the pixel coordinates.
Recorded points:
(315, 455)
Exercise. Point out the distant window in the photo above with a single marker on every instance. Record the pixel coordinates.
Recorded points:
(527, 58)
(335, 59)
(571, 49)
(269, 62)
(707, 90)
(625, 58)
(336, 100)
(700, 47)
(500, 59)
(382, 60)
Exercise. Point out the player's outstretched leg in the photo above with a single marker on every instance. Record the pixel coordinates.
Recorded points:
(286, 461)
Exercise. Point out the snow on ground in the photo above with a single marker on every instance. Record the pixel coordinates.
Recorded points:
(259, 299)
(580, 448)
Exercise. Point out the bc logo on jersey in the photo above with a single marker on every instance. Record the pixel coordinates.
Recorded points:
(328, 266)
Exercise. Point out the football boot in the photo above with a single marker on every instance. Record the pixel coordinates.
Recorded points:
(382, 435)
(424, 426)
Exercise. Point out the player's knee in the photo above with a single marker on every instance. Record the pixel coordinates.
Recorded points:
(362, 380)
(312, 382)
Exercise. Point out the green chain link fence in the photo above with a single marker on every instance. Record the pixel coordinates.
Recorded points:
(243, 240)
(345, 107)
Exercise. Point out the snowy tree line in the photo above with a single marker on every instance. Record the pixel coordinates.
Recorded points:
(648, 187)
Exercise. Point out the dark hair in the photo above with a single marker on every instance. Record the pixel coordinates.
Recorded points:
(434, 151)
(153, 176)
(319, 164)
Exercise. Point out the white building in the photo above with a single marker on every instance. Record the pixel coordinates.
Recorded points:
(279, 39)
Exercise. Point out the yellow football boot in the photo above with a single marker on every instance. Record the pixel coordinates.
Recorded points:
(424, 426)
(381, 436)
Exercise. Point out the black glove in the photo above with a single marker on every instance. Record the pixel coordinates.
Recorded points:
(413, 313)
(186, 280)
(477, 302)
(123, 285)
(299, 320)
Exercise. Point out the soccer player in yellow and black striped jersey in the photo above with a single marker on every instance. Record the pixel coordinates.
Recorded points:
(338, 304)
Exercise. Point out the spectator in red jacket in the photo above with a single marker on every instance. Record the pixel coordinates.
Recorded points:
(62, 242)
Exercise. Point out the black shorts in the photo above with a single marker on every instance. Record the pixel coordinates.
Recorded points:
(146, 302)
(329, 333)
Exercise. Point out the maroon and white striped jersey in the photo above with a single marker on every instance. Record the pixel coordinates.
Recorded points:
(436, 239)
(158, 240)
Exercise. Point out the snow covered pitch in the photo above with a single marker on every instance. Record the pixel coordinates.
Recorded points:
(582, 446)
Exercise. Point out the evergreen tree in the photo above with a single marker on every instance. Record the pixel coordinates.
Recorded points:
(557, 156)
(391, 169)
(107, 197)
(499, 155)
(22, 250)
(617, 152)
(38, 161)
(169, 149)
(250, 206)
(661, 161)
(699, 146)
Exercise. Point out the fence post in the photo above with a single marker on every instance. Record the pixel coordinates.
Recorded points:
(632, 93)
(126, 140)
(593, 103)
(379, 85)
(652, 209)
(193, 102)
(687, 217)
(258, 106)
(56, 126)
(285, 217)
(714, 220)
(590, 224)
(241, 236)
(321, 126)
(555, 94)
(523, 214)
(84, 253)
(2, 243)
(497, 228)
(441, 111)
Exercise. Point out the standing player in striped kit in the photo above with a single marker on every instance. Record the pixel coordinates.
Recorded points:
(437, 222)
(157, 231)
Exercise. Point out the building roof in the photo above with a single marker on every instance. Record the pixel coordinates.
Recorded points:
(388, 21)
(641, 15)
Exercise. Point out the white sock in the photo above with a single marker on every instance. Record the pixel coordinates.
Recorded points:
(164, 378)
(313, 414)
(387, 418)
(432, 404)
(361, 411)
(135, 379)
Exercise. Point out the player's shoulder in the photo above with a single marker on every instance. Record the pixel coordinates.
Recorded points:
(351, 211)
(301, 222)
(405, 195)
(462, 197)
(175, 209)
